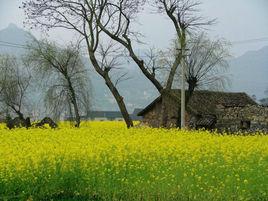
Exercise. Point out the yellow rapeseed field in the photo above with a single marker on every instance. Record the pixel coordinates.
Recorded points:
(106, 161)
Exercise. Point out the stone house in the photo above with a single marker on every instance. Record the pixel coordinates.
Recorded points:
(250, 118)
(207, 109)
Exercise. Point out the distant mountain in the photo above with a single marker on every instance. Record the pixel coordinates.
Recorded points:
(137, 90)
(12, 39)
(249, 73)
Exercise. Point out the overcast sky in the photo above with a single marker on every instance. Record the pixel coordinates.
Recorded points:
(238, 20)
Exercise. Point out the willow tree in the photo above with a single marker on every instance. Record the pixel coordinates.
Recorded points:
(206, 60)
(83, 17)
(15, 80)
(207, 64)
(66, 80)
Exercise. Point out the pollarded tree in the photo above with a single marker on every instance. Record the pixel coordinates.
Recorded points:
(207, 63)
(67, 82)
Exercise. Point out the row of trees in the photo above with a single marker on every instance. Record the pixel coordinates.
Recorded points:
(58, 75)
(103, 22)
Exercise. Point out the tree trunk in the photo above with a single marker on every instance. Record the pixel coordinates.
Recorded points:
(74, 102)
(164, 114)
(21, 116)
(77, 116)
(173, 72)
(120, 102)
(168, 89)
(147, 74)
(18, 112)
(70, 111)
(192, 84)
(24, 122)
(119, 99)
(139, 62)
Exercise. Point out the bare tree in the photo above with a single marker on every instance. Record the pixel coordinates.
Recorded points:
(95, 20)
(182, 13)
(186, 19)
(65, 75)
(122, 14)
(82, 17)
(15, 79)
(207, 64)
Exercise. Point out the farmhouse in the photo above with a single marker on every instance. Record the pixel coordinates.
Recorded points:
(207, 109)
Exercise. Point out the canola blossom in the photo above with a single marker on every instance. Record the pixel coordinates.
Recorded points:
(106, 161)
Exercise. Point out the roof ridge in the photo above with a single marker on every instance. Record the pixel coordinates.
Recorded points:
(211, 91)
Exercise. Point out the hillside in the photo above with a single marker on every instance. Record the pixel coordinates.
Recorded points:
(250, 72)
(11, 36)
(102, 98)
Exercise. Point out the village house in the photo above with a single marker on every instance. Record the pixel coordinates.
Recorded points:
(207, 109)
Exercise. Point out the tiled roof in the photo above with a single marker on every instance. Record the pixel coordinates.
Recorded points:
(205, 102)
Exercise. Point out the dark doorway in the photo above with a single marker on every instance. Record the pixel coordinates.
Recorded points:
(245, 125)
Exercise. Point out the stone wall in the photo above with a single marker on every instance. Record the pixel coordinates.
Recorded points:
(152, 117)
(165, 113)
(249, 118)
(170, 112)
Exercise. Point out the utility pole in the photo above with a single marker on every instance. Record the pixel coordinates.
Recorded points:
(183, 79)
(183, 88)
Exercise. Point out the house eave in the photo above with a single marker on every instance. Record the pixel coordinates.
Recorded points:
(151, 105)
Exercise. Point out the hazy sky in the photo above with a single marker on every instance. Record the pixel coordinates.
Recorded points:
(238, 20)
